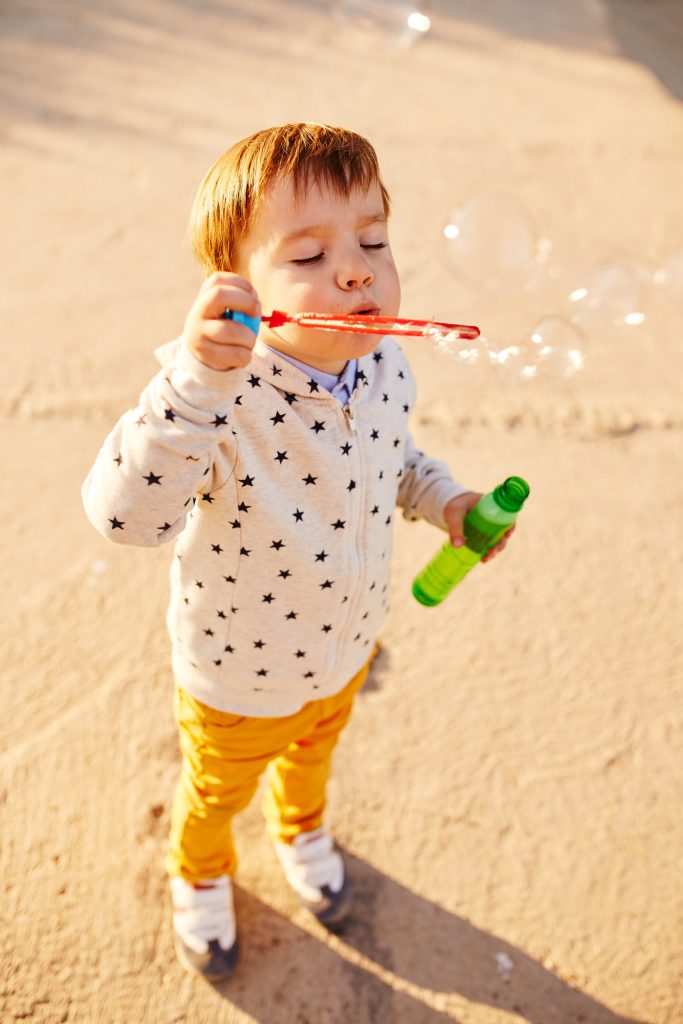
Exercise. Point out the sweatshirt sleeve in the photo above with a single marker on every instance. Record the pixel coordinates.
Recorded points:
(177, 442)
(426, 487)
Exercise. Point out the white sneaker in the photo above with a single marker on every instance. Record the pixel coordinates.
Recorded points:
(204, 925)
(315, 871)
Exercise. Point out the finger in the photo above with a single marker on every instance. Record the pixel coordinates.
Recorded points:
(212, 302)
(224, 278)
(228, 332)
(222, 357)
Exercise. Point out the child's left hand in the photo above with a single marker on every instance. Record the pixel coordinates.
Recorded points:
(455, 512)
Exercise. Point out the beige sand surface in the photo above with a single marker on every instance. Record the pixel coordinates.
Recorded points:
(511, 781)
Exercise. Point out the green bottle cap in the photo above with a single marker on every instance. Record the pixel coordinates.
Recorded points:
(511, 494)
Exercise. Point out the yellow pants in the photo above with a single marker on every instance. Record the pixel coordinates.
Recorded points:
(223, 758)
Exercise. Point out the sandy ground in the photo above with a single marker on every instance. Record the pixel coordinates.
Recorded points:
(511, 781)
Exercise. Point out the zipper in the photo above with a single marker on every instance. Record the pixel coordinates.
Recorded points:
(348, 413)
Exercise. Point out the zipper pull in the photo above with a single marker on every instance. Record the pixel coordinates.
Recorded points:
(348, 411)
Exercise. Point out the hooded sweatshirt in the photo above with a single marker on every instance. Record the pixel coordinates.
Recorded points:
(280, 501)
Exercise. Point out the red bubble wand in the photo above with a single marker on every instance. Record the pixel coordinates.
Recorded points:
(357, 323)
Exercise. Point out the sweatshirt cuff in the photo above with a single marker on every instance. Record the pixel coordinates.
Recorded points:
(197, 383)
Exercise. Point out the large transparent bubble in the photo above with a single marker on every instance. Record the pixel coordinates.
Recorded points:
(611, 296)
(383, 24)
(491, 243)
(669, 278)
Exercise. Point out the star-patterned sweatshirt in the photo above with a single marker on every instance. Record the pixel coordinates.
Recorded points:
(281, 501)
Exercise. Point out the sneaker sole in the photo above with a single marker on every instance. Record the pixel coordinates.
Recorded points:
(210, 970)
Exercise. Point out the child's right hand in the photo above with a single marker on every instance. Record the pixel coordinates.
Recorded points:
(218, 343)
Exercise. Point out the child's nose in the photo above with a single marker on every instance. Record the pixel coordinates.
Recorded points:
(355, 273)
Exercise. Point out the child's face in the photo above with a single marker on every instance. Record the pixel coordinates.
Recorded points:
(321, 253)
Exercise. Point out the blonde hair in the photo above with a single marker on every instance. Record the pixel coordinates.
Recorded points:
(233, 188)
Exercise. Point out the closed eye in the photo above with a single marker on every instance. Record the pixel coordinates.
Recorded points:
(375, 245)
(309, 260)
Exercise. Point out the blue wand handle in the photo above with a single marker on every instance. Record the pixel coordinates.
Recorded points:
(252, 322)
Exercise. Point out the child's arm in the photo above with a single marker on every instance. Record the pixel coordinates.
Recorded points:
(179, 439)
(426, 487)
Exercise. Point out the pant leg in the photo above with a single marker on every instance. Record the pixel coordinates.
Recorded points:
(294, 801)
(223, 757)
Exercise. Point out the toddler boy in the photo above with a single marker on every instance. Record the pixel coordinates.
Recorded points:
(276, 463)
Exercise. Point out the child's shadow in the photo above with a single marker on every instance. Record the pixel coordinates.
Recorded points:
(400, 960)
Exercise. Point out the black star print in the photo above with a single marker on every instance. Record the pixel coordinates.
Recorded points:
(309, 479)
(164, 528)
(284, 573)
(326, 585)
(326, 629)
(262, 672)
(219, 421)
(321, 556)
(235, 524)
(277, 544)
(243, 508)
(238, 400)
(248, 481)
(281, 456)
(199, 584)
(291, 615)
(361, 375)
(377, 356)
(375, 510)
(397, 442)
(142, 420)
(151, 478)
(406, 408)
(220, 614)
(339, 525)
(259, 644)
(381, 474)
(217, 548)
(218, 661)
(229, 649)
(255, 381)
(268, 598)
(277, 372)
(387, 520)
(374, 435)
(191, 458)
(299, 654)
(169, 414)
(346, 448)
(290, 398)
(401, 374)
(116, 524)
(279, 417)
(298, 515)
(357, 636)
(351, 486)
(385, 397)
(209, 632)
(313, 385)
(207, 497)
(229, 579)
(245, 551)
(309, 675)
(118, 460)
(318, 426)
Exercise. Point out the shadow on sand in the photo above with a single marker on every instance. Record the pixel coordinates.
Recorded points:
(399, 959)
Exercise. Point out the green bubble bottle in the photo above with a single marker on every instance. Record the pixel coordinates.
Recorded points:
(483, 526)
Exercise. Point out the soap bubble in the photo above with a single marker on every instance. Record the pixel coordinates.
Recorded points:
(491, 243)
(556, 349)
(609, 296)
(552, 351)
(669, 277)
(389, 24)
